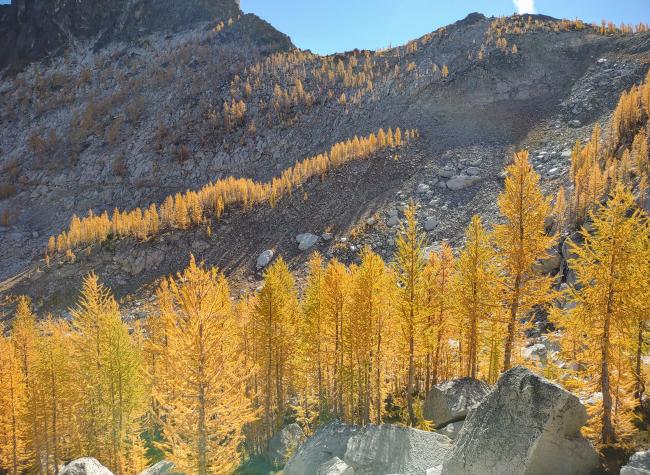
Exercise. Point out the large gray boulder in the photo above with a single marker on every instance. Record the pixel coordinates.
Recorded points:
(284, 444)
(462, 181)
(451, 400)
(639, 464)
(329, 440)
(384, 449)
(525, 426)
(370, 450)
(84, 466)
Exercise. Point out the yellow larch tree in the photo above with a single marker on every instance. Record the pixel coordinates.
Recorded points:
(14, 430)
(410, 301)
(337, 296)
(203, 404)
(522, 241)
(273, 325)
(110, 376)
(316, 349)
(55, 371)
(476, 297)
(612, 268)
(371, 301)
(439, 275)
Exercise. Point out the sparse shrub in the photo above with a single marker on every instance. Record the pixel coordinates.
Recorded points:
(135, 109)
(182, 153)
(119, 166)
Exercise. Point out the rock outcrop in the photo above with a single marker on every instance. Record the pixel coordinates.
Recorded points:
(369, 450)
(284, 444)
(639, 464)
(84, 466)
(526, 425)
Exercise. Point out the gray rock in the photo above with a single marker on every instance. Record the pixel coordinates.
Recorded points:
(306, 240)
(453, 399)
(437, 470)
(446, 173)
(264, 258)
(371, 221)
(462, 181)
(335, 466)
(430, 224)
(639, 464)
(84, 466)
(393, 449)
(164, 467)
(575, 123)
(392, 221)
(526, 425)
(284, 444)
(327, 236)
(473, 171)
(329, 440)
(422, 188)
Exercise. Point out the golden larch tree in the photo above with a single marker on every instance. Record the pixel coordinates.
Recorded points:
(410, 264)
(522, 241)
(202, 398)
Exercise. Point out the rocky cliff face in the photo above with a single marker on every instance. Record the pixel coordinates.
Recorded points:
(31, 30)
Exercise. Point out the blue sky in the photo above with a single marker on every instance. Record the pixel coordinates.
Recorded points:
(327, 26)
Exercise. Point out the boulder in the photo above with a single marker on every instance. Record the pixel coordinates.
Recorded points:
(639, 464)
(264, 259)
(452, 400)
(284, 444)
(526, 425)
(473, 171)
(369, 450)
(164, 467)
(422, 188)
(430, 224)
(306, 240)
(84, 466)
(335, 466)
(329, 440)
(389, 448)
(462, 181)
(392, 221)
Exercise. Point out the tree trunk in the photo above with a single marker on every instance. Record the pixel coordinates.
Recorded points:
(607, 435)
(512, 323)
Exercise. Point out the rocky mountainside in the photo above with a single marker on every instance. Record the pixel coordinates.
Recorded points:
(165, 105)
(36, 30)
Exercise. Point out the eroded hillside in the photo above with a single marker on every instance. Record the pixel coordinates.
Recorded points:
(138, 121)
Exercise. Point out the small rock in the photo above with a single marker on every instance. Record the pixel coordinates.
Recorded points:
(430, 224)
(462, 181)
(473, 171)
(422, 188)
(575, 123)
(327, 236)
(264, 258)
(371, 221)
(392, 221)
(164, 467)
(306, 240)
(446, 173)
